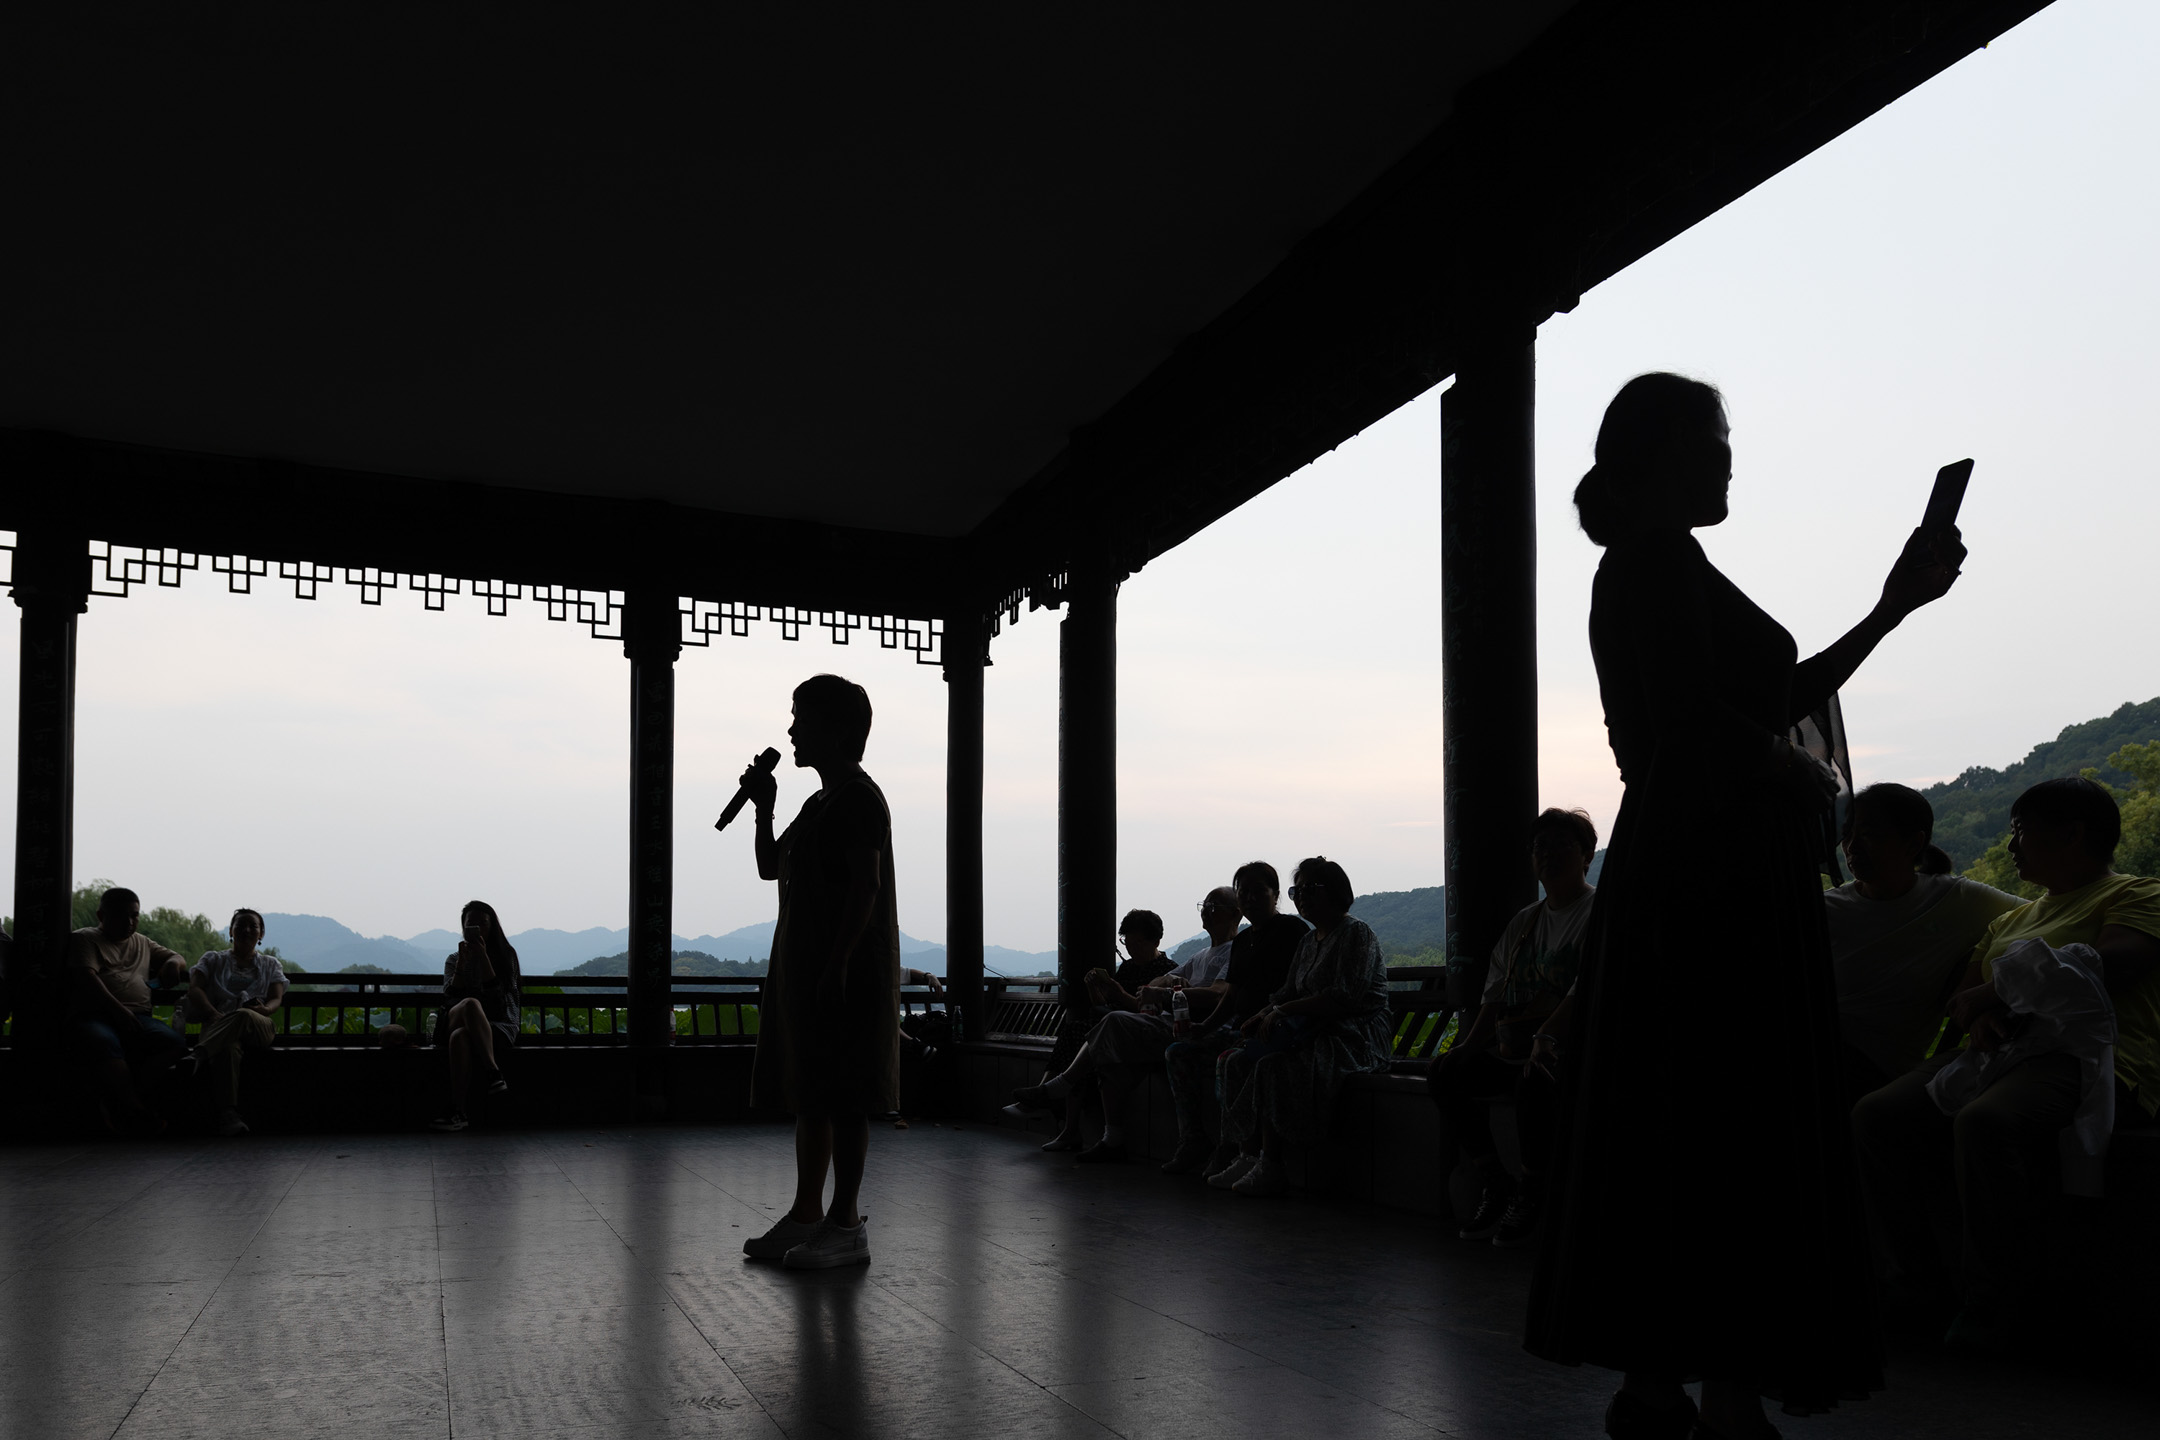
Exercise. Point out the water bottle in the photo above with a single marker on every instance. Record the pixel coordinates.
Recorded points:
(1180, 1014)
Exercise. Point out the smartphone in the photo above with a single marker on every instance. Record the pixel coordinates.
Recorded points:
(1948, 495)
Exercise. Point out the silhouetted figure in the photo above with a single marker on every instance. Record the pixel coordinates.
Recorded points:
(828, 1049)
(1127, 1045)
(1330, 1020)
(1259, 962)
(481, 986)
(2050, 985)
(1534, 965)
(1071, 1083)
(1704, 1217)
(232, 994)
(1899, 936)
(110, 967)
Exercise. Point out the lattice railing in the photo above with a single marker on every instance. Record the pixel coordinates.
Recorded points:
(116, 570)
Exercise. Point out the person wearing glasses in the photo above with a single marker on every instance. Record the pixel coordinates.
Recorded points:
(1330, 1020)
(1128, 1043)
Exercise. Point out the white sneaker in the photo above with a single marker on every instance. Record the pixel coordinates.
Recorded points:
(831, 1247)
(1233, 1172)
(229, 1123)
(783, 1237)
(1262, 1179)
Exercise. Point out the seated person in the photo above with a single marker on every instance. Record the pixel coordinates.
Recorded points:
(1259, 963)
(232, 994)
(1900, 935)
(110, 966)
(2000, 1147)
(480, 984)
(1128, 1043)
(1142, 932)
(1533, 968)
(1329, 1020)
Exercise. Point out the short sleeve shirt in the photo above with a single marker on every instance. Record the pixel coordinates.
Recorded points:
(1538, 956)
(1205, 967)
(124, 967)
(2077, 918)
(230, 983)
(1135, 973)
(1260, 959)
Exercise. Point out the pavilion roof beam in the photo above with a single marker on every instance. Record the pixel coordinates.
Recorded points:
(1622, 126)
(274, 509)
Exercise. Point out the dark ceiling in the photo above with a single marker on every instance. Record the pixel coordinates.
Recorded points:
(863, 264)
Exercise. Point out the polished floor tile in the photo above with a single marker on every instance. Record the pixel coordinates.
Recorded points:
(591, 1284)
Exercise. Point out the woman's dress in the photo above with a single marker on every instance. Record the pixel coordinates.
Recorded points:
(1705, 1217)
(1290, 1082)
(815, 1058)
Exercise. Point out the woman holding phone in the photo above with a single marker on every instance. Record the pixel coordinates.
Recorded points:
(1704, 1217)
(480, 984)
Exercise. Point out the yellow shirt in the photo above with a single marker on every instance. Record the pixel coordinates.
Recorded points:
(2077, 918)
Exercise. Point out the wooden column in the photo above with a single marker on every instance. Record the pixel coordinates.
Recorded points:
(652, 639)
(1087, 778)
(51, 588)
(965, 657)
(1488, 646)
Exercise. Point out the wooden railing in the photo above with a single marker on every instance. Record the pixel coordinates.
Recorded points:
(338, 1011)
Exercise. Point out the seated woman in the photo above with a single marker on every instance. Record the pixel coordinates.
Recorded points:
(480, 983)
(1329, 1020)
(1108, 993)
(1899, 936)
(1128, 1043)
(232, 994)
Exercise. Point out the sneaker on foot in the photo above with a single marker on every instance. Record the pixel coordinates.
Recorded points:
(1233, 1172)
(1103, 1152)
(230, 1124)
(784, 1236)
(831, 1247)
(1519, 1222)
(1492, 1208)
(453, 1121)
(1187, 1159)
(1261, 1178)
(1060, 1143)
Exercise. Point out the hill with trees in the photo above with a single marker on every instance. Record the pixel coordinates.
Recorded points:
(1972, 812)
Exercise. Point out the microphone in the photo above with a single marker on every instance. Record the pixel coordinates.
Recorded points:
(767, 762)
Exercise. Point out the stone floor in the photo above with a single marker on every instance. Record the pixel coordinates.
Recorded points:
(590, 1283)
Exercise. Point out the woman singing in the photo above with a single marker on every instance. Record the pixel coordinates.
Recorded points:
(1705, 1220)
(828, 1047)
(480, 984)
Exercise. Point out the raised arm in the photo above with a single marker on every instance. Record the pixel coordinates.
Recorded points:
(1925, 570)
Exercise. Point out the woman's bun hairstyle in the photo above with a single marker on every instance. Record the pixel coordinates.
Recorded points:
(1611, 495)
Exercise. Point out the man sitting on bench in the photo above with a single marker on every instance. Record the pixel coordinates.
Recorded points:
(232, 994)
(1127, 1044)
(1533, 967)
(110, 966)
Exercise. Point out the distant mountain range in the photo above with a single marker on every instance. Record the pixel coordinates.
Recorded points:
(322, 944)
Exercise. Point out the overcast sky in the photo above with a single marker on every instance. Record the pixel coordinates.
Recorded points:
(1968, 273)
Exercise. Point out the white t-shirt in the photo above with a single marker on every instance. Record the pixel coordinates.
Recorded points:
(1539, 954)
(1895, 960)
(231, 984)
(1206, 967)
